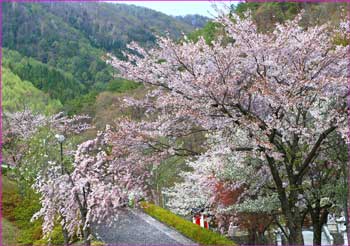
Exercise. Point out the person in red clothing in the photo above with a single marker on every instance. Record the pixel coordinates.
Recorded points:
(200, 218)
(197, 219)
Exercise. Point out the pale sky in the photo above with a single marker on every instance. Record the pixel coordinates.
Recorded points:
(178, 7)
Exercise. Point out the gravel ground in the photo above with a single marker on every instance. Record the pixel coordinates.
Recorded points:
(135, 227)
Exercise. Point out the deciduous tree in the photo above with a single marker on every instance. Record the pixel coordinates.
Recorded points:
(286, 90)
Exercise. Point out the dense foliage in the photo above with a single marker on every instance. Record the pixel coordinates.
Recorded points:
(197, 21)
(34, 32)
(88, 104)
(267, 14)
(72, 38)
(55, 82)
(17, 210)
(110, 31)
(18, 95)
(209, 32)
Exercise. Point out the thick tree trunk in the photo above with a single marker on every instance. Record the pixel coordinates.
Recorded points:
(86, 236)
(290, 212)
(256, 237)
(295, 235)
(86, 229)
(252, 236)
(294, 220)
(317, 234)
(319, 218)
(156, 197)
(84, 212)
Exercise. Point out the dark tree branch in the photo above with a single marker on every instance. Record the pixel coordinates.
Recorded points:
(312, 154)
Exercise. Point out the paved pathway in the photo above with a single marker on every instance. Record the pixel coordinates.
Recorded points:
(136, 227)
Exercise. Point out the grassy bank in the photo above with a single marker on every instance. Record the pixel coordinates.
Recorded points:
(9, 233)
(187, 228)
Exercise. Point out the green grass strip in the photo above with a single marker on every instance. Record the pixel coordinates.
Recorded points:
(185, 227)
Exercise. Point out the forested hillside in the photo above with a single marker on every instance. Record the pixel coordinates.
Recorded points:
(111, 26)
(194, 20)
(18, 95)
(34, 32)
(266, 15)
(72, 38)
(55, 82)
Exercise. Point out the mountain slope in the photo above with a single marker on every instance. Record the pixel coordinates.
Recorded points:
(57, 83)
(18, 95)
(267, 14)
(73, 37)
(110, 26)
(34, 32)
(197, 21)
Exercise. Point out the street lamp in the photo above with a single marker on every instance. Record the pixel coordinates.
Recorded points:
(60, 138)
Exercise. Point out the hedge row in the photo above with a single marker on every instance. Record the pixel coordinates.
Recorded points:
(187, 228)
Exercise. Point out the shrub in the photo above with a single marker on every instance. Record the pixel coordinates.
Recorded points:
(121, 85)
(28, 205)
(9, 233)
(93, 243)
(56, 238)
(20, 210)
(10, 198)
(30, 234)
(9, 202)
(187, 228)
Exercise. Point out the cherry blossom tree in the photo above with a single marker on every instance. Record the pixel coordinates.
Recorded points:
(228, 192)
(254, 215)
(103, 178)
(30, 145)
(196, 190)
(286, 90)
(18, 127)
